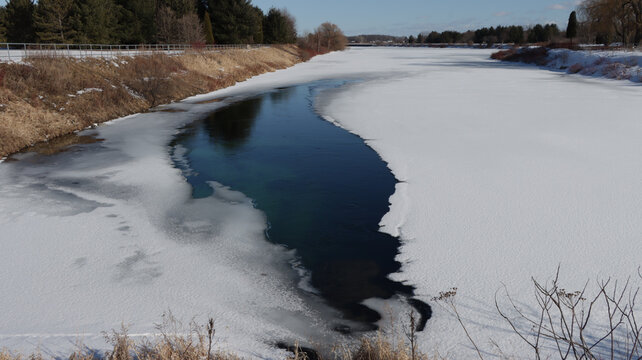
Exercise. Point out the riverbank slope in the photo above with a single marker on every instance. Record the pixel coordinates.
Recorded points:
(44, 98)
(611, 64)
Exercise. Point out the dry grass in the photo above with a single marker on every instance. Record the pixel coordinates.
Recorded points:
(198, 342)
(45, 97)
(379, 347)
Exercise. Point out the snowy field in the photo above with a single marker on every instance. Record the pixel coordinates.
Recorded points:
(507, 172)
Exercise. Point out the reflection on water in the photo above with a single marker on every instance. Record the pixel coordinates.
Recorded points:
(323, 190)
(231, 126)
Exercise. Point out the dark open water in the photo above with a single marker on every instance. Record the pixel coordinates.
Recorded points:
(323, 190)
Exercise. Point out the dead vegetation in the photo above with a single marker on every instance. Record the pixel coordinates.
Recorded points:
(593, 323)
(44, 98)
(198, 342)
(536, 56)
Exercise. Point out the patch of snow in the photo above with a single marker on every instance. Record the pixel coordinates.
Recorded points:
(88, 90)
(132, 93)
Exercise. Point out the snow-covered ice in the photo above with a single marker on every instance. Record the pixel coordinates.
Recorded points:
(95, 237)
(507, 172)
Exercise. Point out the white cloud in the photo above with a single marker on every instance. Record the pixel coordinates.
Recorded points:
(501, 13)
(558, 7)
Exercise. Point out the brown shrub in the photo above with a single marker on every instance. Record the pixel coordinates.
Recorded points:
(575, 68)
(526, 55)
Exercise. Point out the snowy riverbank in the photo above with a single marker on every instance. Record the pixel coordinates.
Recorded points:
(616, 64)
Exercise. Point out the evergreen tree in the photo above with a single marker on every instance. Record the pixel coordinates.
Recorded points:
(571, 29)
(538, 34)
(255, 23)
(202, 8)
(516, 34)
(98, 21)
(411, 39)
(224, 25)
(20, 21)
(235, 21)
(136, 21)
(179, 7)
(207, 28)
(552, 30)
(52, 20)
(433, 38)
(3, 24)
(279, 27)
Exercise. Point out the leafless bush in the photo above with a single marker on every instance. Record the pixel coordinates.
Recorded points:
(151, 77)
(572, 322)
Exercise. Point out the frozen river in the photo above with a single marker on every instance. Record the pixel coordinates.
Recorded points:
(506, 172)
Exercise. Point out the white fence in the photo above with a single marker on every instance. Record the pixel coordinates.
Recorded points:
(15, 52)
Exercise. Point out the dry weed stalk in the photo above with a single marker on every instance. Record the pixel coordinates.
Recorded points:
(448, 298)
(565, 318)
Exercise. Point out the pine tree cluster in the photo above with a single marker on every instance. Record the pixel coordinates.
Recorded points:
(144, 21)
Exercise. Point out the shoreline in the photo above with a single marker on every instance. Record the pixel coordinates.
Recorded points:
(619, 65)
(46, 98)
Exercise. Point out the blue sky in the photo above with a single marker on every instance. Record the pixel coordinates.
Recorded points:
(405, 17)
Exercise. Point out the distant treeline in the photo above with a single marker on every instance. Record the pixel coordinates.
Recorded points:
(144, 21)
(500, 34)
(594, 22)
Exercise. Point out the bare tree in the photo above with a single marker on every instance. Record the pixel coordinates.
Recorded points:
(332, 36)
(166, 25)
(185, 30)
(618, 19)
(189, 29)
